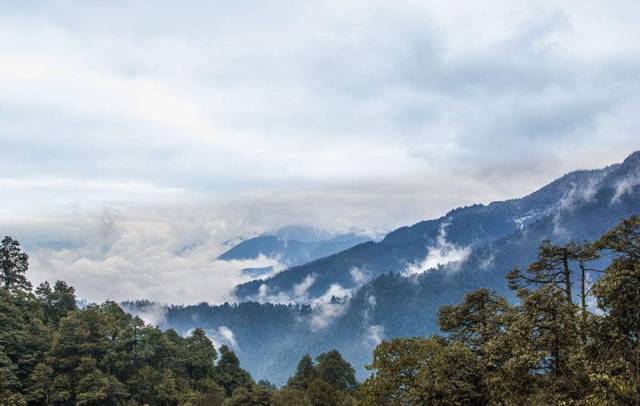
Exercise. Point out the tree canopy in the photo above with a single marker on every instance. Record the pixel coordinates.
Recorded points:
(545, 348)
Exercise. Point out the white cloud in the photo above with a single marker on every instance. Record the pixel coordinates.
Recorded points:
(300, 290)
(223, 335)
(359, 277)
(443, 253)
(251, 115)
(154, 314)
(113, 258)
(626, 185)
(298, 293)
(374, 335)
(329, 306)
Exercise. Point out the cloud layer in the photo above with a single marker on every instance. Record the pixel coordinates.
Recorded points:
(200, 122)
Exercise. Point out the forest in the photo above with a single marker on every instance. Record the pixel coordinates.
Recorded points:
(571, 337)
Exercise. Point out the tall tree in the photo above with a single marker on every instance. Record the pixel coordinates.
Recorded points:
(13, 265)
(41, 388)
(199, 355)
(9, 382)
(334, 370)
(552, 267)
(304, 374)
(418, 371)
(482, 316)
(539, 357)
(617, 293)
(321, 393)
(56, 302)
(229, 374)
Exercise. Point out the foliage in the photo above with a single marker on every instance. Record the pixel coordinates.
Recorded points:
(13, 265)
(545, 348)
(423, 371)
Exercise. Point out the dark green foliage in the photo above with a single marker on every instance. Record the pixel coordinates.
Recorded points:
(23, 336)
(424, 371)
(290, 397)
(482, 316)
(545, 349)
(52, 353)
(254, 396)
(321, 393)
(56, 302)
(334, 370)
(331, 381)
(304, 374)
(198, 355)
(229, 374)
(13, 265)
(617, 293)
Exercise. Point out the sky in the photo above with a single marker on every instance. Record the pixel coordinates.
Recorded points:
(137, 137)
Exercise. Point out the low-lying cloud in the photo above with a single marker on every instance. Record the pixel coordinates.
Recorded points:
(152, 313)
(223, 335)
(625, 186)
(442, 254)
(246, 116)
(325, 308)
(163, 261)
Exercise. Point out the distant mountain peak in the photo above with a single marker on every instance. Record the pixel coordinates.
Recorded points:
(632, 160)
(292, 245)
(302, 233)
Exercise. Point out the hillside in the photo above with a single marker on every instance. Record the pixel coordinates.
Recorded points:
(472, 228)
(352, 311)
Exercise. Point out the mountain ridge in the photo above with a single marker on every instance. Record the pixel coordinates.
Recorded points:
(290, 252)
(340, 302)
(467, 226)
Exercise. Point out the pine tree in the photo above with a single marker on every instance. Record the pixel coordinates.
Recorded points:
(229, 374)
(482, 316)
(334, 370)
(617, 293)
(304, 374)
(56, 302)
(199, 355)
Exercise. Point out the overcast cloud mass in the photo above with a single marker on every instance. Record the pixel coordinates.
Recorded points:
(137, 137)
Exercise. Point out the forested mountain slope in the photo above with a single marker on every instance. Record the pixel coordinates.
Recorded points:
(471, 228)
(349, 312)
(548, 347)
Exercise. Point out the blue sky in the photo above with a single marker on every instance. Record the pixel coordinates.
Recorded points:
(154, 126)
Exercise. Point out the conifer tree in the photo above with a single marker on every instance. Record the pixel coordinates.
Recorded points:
(228, 372)
(14, 263)
(304, 374)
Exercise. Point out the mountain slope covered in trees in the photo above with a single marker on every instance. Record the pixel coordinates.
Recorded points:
(352, 300)
(549, 347)
(559, 210)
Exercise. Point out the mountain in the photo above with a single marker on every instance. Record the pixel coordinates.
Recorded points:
(292, 245)
(463, 230)
(302, 233)
(353, 299)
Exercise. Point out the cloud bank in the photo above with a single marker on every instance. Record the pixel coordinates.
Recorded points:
(198, 123)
